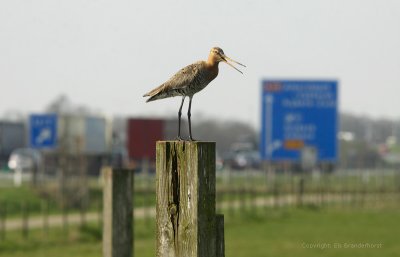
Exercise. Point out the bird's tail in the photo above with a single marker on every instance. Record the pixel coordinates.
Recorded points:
(152, 98)
(154, 94)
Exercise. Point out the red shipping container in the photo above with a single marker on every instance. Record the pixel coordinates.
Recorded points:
(142, 137)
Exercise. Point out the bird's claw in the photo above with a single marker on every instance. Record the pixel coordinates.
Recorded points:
(179, 138)
(191, 139)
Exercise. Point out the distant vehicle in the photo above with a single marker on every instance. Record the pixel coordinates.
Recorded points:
(12, 136)
(25, 160)
(241, 160)
(142, 135)
(219, 162)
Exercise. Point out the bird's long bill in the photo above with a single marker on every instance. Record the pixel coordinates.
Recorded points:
(230, 60)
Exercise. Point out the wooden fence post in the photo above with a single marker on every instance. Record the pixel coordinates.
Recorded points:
(118, 213)
(300, 200)
(45, 213)
(185, 189)
(25, 219)
(3, 217)
(220, 243)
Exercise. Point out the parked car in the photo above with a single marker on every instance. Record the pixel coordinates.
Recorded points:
(25, 160)
(12, 136)
(241, 160)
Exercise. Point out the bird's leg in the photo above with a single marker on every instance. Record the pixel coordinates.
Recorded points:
(179, 120)
(190, 123)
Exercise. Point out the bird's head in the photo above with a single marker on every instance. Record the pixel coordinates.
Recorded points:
(217, 55)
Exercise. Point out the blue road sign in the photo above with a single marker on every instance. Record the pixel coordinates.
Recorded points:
(43, 131)
(297, 115)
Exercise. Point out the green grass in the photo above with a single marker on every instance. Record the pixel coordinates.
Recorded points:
(14, 199)
(289, 233)
(272, 232)
(229, 188)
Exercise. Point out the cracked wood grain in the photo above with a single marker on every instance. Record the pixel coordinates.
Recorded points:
(185, 188)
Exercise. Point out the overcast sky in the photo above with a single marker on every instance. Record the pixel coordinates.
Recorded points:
(107, 54)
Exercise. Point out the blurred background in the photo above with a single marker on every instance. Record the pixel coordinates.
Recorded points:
(308, 138)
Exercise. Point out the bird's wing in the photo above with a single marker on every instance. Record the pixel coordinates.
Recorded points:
(180, 80)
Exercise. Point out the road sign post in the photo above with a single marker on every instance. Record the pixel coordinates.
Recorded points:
(43, 131)
(298, 115)
(42, 135)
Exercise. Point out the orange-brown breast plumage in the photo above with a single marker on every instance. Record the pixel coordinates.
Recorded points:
(212, 71)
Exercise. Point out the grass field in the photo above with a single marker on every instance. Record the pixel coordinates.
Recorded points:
(273, 232)
(244, 184)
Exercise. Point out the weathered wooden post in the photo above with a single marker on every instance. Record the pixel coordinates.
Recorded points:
(220, 243)
(3, 216)
(187, 225)
(117, 213)
(45, 213)
(300, 200)
(25, 219)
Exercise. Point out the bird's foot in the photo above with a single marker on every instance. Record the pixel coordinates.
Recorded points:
(179, 138)
(191, 139)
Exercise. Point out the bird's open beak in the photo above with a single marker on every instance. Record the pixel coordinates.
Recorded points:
(227, 60)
